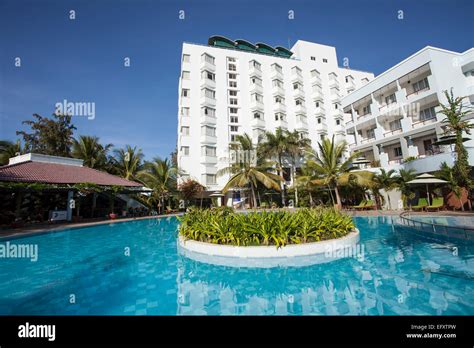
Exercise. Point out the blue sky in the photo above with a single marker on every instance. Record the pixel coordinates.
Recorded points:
(82, 59)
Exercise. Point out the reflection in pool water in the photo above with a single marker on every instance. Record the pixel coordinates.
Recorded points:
(400, 274)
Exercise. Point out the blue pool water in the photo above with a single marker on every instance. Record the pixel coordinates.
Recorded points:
(400, 274)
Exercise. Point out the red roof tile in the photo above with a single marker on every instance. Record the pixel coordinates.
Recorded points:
(54, 173)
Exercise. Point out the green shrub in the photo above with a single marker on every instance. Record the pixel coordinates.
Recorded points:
(222, 226)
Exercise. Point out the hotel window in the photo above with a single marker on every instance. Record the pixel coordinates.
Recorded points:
(210, 112)
(234, 119)
(297, 86)
(397, 151)
(208, 93)
(256, 81)
(232, 76)
(336, 106)
(209, 131)
(395, 125)
(277, 83)
(208, 58)
(280, 116)
(313, 58)
(421, 85)
(208, 75)
(338, 122)
(234, 128)
(427, 114)
(233, 137)
(233, 93)
(185, 130)
(185, 111)
(233, 84)
(258, 115)
(233, 110)
(325, 60)
(366, 110)
(322, 136)
(232, 67)
(317, 104)
(370, 133)
(347, 79)
(185, 150)
(233, 101)
(231, 59)
(299, 101)
(390, 99)
(279, 100)
(186, 58)
(277, 68)
(208, 151)
(185, 92)
(255, 64)
(320, 120)
(185, 75)
(208, 179)
(257, 97)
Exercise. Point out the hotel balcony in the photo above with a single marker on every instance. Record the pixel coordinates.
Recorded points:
(333, 83)
(256, 105)
(321, 126)
(300, 109)
(296, 77)
(208, 101)
(208, 159)
(298, 93)
(335, 96)
(281, 124)
(366, 140)
(389, 133)
(421, 123)
(320, 112)
(279, 107)
(208, 139)
(254, 71)
(205, 119)
(432, 162)
(317, 94)
(205, 65)
(208, 83)
(275, 74)
(257, 123)
(301, 123)
(256, 88)
(277, 90)
(316, 80)
(339, 128)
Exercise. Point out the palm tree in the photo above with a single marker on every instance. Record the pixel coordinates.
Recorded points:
(403, 177)
(297, 146)
(386, 181)
(128, 162)
(304, 180)
(448, 174)
(159, 175)
(9, 149)
(91, 151)
(280, 145)
(456, 124)
(332, 169)
(244, 173)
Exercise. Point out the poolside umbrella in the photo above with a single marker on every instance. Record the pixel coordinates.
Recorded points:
(426, 179)
(448, 140)
(360, 160)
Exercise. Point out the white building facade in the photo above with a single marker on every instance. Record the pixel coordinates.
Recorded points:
(394, 119)
(231, 87)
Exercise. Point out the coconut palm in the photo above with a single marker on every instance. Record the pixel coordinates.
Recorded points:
(244, 173)
(280, 145)
(385, 180)
(406, 190)
(128, 162)
(332, 169)
(448, 174)
(9, 149)
(91, 151)
(456, 124)
(160, 176)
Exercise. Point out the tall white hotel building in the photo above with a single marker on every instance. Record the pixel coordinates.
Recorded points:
(231, 87)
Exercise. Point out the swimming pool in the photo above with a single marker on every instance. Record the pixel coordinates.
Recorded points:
(134, 268)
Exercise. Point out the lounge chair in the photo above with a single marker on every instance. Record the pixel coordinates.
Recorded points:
(438, 203)
(422, 203)
(361, 205)
(370, 204)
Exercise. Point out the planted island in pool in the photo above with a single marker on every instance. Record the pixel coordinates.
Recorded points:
(266, 234)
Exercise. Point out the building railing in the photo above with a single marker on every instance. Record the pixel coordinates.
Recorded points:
(418, 92)
(392, 132)
(423, 122)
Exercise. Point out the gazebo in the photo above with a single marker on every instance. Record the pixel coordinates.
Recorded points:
(32, 171)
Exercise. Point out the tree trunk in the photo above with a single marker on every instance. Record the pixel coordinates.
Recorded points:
(310, 199)
(283, 187)
(254, 198)
(330, 194)
(338, 198)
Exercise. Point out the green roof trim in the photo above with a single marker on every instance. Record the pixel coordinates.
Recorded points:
(282, 51)
(221, 41)
(243, 45)
(264, 48)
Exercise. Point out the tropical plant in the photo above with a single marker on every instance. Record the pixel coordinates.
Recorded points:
(448, 174)
(190, 189)
(222, 226)
(385, 180)
(331, 169)
(49, 136)
(456, 124)
(91, 151)
(127, 162)
(248, 172)
(9, 149)
(404, 176)
(160, 176)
